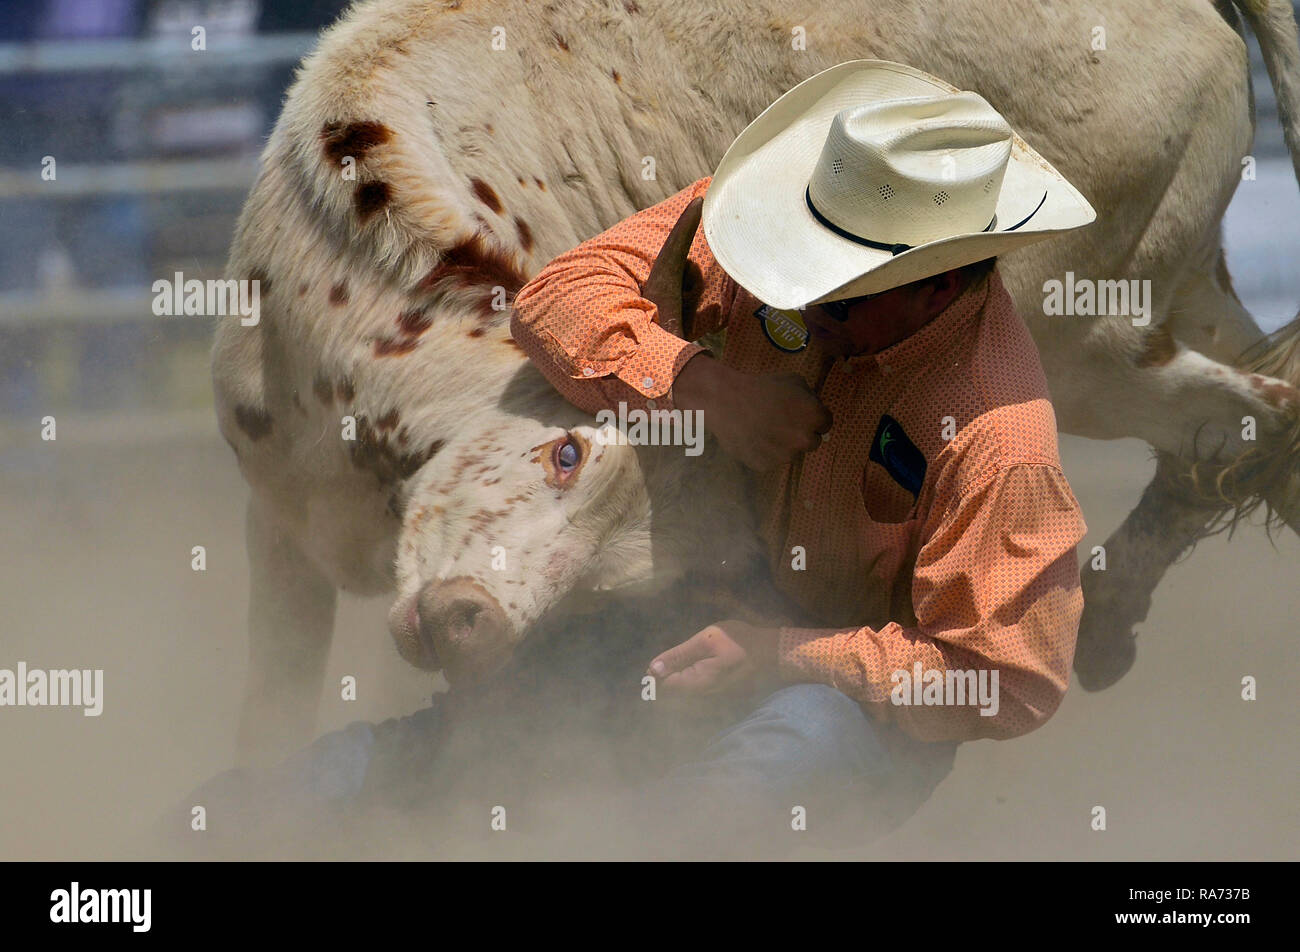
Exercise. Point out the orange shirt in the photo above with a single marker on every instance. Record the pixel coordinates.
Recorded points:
(934, 526)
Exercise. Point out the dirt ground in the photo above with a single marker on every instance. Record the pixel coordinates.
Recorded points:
(98, 529)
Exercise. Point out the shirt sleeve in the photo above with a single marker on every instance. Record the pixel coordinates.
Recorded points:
(583, 322)
(995, 589)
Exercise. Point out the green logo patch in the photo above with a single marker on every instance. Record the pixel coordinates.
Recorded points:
(892, 449)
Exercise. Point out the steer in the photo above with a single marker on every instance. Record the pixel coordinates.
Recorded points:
(431, 157)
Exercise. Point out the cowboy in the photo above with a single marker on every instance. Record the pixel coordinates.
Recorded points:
(877, 377)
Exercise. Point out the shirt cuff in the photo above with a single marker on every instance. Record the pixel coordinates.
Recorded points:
(809, 654)
(648, 372)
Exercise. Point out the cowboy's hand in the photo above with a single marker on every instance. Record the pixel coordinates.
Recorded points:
(726, 656)
(763, 420)
(672, 275)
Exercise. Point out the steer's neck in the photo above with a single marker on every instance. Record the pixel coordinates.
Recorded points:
(702, 511)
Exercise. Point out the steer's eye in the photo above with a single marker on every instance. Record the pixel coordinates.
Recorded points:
(567, 456)
(563, 459)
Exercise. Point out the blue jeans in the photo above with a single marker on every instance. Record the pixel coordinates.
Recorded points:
(806, 766)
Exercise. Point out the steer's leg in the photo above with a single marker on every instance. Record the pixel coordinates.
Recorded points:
(1206, 314)
(290, 625)
(1162, 526)
(1183, 502)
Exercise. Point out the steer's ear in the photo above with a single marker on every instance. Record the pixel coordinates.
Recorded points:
(692, 290)
(675, 283)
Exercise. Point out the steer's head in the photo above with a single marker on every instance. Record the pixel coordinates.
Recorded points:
(527, 507)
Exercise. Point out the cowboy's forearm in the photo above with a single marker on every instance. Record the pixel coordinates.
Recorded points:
(586, 324)
(902, 676)
(594, 337)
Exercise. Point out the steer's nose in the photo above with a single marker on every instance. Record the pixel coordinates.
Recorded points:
(462, 627)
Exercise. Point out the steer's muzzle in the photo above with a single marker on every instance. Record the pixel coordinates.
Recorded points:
(456, 626)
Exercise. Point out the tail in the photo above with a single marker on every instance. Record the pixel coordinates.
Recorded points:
(1274, 25)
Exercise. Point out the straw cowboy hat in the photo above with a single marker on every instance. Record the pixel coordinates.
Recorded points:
(870, 175)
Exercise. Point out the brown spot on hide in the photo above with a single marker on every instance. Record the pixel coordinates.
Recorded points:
(256, 423)
(339, 293)
(477, 332)
(540, 184)
(560, 41)
(340, 140)
(630, 6)
(1274, 392)
(486, 194)
(370, 198)
(464, 463)
(386, 422)
(302, 289)
(474, 262)
(395, 346)
(617, 77)
(320, 386)
(374, 451)
(414, 323)
(483, 518)
(525, 233)
(346, 390)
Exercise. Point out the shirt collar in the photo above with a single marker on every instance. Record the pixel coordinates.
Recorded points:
(935, 335)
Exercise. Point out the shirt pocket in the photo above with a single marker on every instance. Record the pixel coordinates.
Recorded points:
(887, 554)
(884, 500)
(888, 538)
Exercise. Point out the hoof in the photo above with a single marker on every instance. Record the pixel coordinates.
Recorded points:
(1099, 664)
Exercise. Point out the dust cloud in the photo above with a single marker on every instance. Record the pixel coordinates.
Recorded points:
(96, 549)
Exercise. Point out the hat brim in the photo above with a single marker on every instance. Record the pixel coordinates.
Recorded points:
(762, 233)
